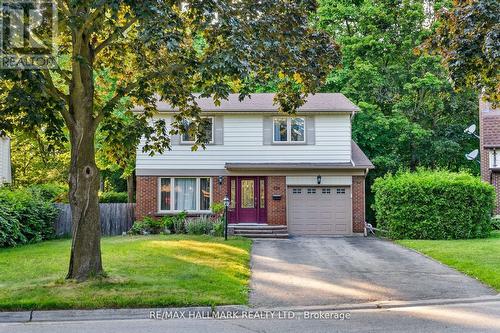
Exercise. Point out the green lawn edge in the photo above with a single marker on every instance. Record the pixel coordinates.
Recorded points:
(143, 272)
(477, 258)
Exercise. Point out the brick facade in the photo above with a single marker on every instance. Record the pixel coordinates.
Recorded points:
(146, 197)
(219, 191)
(489, 128)
(147, 200)
(358, 204)
(276, 209)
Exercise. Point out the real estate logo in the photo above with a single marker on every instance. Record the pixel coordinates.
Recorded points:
(28, 34)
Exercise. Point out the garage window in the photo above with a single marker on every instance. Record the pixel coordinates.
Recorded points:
(311, 191)
(341, 191)
(297, 191)
(326, 191)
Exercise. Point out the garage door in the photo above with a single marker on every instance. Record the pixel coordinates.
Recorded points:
(319, 210)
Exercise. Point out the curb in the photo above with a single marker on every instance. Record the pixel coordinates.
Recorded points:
(99, 314)
(207, 312)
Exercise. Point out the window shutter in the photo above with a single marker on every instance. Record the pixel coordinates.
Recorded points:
(310, 131)
(175, 139)
(268, 131)
(219, 130)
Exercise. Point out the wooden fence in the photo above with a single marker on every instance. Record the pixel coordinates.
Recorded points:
(116, 218)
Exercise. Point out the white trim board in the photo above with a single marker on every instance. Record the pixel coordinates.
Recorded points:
(313, 180)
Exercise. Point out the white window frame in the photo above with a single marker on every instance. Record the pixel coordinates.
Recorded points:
(494, 159)
(289, 131)
(212, 139)
(172, 196)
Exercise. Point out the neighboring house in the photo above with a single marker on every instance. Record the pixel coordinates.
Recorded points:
(301, 171)
(489, 126)
(5, 167)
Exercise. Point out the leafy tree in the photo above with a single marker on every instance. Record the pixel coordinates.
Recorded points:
(145, 50)
(411, 116)
(468, 39)
(36, 161)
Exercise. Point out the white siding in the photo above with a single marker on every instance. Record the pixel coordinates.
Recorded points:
(243, 142)
(5, 168)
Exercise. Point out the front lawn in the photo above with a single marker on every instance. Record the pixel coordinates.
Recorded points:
(143, 271)
(479, 258)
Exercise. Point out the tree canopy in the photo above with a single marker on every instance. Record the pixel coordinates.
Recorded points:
(411, 116)
(468, 39)
(112, 52)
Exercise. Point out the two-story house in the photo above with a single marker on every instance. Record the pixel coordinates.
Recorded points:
(301, 171)
(489, 126)
(5, 165)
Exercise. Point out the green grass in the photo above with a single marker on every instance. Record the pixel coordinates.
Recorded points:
(143, 271)
(479, 258)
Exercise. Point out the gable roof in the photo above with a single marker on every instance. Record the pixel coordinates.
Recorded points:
(264, 102)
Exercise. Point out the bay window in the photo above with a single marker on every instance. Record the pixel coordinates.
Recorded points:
(185, 194)
(289, 129)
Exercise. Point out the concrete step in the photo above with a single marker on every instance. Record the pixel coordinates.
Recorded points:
(256, 226)
(260, 231)
(263, 235)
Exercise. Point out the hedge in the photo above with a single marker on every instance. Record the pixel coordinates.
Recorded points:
(25, 217)
(50, 192)
(113, 197)
(433, 205)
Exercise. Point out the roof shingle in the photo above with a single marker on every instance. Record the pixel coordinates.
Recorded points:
(264, 102)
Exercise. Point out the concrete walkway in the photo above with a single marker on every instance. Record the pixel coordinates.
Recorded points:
(329, 271)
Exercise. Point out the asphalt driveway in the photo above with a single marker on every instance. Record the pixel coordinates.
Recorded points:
(329, 271)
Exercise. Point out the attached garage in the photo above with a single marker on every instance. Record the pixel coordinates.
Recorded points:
(319, 210)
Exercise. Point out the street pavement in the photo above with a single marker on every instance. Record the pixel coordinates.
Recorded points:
(468, 317)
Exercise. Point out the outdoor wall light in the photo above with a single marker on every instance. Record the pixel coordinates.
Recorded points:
(318, 179)
(221, 179)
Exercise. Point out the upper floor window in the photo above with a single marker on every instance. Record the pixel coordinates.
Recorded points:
(208, 130)
(289, 129)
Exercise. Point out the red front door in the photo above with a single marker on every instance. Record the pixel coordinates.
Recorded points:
(249, 200)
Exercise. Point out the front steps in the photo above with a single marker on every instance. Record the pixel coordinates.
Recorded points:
(254, 230)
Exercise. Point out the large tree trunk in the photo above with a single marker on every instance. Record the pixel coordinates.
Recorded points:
(85, 258)
(85, 261)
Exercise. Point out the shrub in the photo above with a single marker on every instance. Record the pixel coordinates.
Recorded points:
(10, 228)
(218, 228)
(179, 223)
(433, 205)
(199, 226)
(217, 208)
(25, 217)
(113, 197)
(495, 222)
(50, 192)
(147, 225)
(166, 224)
